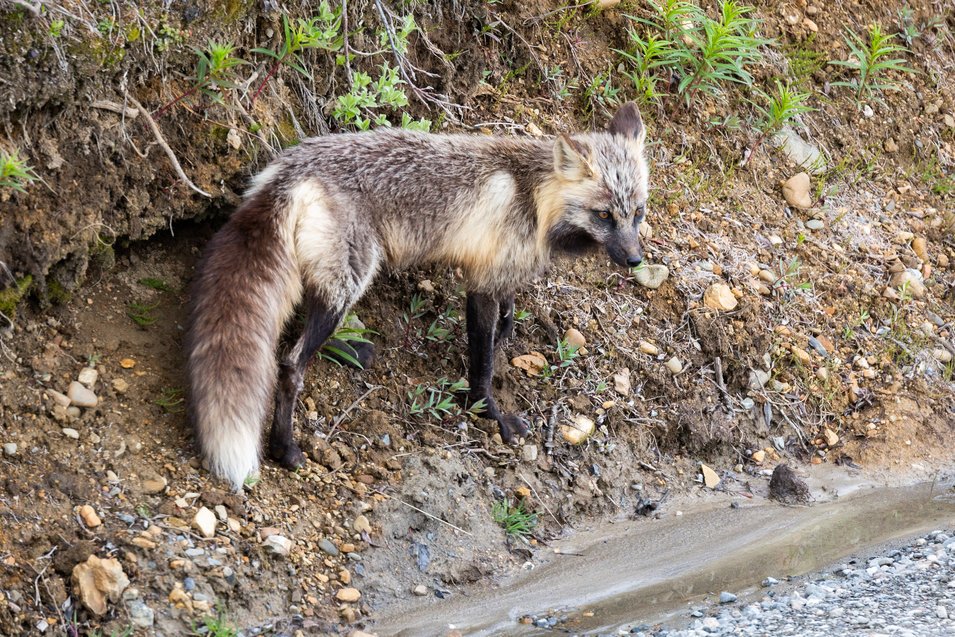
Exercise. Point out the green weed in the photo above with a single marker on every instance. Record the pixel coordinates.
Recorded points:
(439, 402)
(156, 284)
(516, 520)
(218, 626)
(139, 312)
(871, 60)
(359, 107)
(15, 173)
(566, 355)
(346, 334)
(56, 28)
(172, 400)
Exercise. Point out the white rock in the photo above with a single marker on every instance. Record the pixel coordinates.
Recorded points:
(579, 429)
(710, 479)
(621, 382)
(529, 453)
(802, 153)
(221, 512)
(719, 297)
(648, 348)
(69, 432)
(9, 448)
(88, 376)
(277, 545)
(674, 365)
(205, 522)
(652, 276)
(81, 396)
(815, 224)
(59, 399)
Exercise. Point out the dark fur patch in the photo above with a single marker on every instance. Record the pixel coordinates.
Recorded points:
(626, 121)
(569, 238)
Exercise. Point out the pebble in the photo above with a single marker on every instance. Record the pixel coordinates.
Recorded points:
(278, 545)
(89, 517)
(802, 153)
(140, 614)
(205, 522)
(912, 280)
(796, 191)
(574, 338)
(328, 547)
(98, 581)
(727, 598)
(652, 276)
(710, 478)
(621, 382)
(10, 449)
(674, 365)
(719, 296)
(348, 594)
(88, 376)
(529, 453)
(648, 348)
(59, 399)
(579, 429)
(120, 386)
(815, 224)
(920, 248)
(152, 486)
(420, 590)
(80, 396)
(69, 432)
(361, 524)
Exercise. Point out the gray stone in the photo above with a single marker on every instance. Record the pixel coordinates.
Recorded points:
(140, 614)
(801, 152)
(329, 547)
(9, 448)
(81, 396)
(727, 598)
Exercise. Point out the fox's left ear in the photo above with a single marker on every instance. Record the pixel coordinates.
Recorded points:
(628, 123)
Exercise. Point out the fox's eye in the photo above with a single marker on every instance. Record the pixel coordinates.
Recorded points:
(603, 214)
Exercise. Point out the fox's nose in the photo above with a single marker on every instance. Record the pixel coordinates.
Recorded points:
(634, 261)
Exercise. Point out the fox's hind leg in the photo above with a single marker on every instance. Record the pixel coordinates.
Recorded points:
(505, 321)
(483, 313)
(320, 322)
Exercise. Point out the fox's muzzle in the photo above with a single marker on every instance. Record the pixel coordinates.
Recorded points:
(625, 250)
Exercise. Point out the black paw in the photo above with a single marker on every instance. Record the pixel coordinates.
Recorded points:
(512, 427)
(351, 353)
(289, 456)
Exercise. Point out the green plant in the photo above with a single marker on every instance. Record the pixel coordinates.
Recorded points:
(56, 28)
(15, 173)
(438, 401)
(155, 284)
(804, 59)
(214, 72)
(566, 355)
(782, 107)
(516, 520)
(359, 106)
(645, 55)
(139, 312)
(442, 328)
(322, 31)
(521, 315)
(168, 35)
(347, 333)
(171, 400)
(218, 626)
(600, 91)
(871, 60)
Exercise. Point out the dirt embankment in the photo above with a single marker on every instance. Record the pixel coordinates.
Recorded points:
(827, 356)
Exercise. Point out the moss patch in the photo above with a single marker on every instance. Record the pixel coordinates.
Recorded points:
(10, 297)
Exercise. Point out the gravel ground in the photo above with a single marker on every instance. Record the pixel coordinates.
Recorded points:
(909, 591)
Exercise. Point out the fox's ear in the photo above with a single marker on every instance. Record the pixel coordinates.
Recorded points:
(627, 122)
(570, 159)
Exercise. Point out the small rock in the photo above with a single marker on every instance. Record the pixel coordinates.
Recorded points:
(534, 130)
(205, 522)
(420, 590)
(69, 432)
(758, 379)
(920, 248)
(815, 224)
(719, 296)
(579, 429)
(152, 486)
(867, 111)
(648, 348)
(574, 338)
(652, 276)
(533, 363)
(911, 280)
(832, 439)
(727, 598)
(786, 487)
(89, 517)
(621, 382)
(10, 449)
(941, 355)
(941, 612)
(278, 545)
(603, 5)
(97, 581)
(361, 524)
(710, 479)
(802, 356)
(529, 453)
(140, 614)
(802, 153)
(120, 386)
(233, 139)
(796, 191)
(425, 285)
(328, 547)
(348, 595)
(758, 456)
(890, 146)
(221, 512)
(674, 365)
(88, 376)
(81, 396)
(127, 363)
(770, 581)
(58, 398)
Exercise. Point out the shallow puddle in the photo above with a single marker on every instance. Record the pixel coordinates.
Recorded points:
(640, 571)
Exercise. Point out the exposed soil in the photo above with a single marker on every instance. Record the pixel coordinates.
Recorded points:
(856, 374)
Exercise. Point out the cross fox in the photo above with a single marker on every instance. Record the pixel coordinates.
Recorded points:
(320, 220)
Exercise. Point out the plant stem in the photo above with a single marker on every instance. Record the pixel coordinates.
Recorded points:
(162, 109)
(268, 76)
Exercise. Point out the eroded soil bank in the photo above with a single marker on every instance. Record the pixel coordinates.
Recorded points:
(829, 358)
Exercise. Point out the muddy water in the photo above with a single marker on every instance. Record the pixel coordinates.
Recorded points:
(644, 570)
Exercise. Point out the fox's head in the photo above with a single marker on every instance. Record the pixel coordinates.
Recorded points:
(599, 196)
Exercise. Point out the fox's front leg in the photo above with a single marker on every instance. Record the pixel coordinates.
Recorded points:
(483, 312)
(505, 322)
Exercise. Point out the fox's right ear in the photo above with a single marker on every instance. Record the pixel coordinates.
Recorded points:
(627, 122)
(570, 159)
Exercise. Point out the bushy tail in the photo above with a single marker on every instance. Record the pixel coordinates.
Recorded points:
(246, 287)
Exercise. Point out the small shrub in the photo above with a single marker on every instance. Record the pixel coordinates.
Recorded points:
(516, 520)
(871, 60)
(15, 173)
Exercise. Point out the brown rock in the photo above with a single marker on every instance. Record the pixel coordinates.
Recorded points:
(97, 581)
(920, 248)
(796, 191)
(719, 296)
(786, 487)
(574, 338)
(710, 478)
(89, 517)
(348, 595)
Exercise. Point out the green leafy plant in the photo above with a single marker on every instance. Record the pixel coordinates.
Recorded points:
(322, 31)
(15, 173)
(218, 626)
(155, 284)
(140, 313)
(438, 401)
(566, 355)
(360, 106)
(171, 400)
(339, 347)
(872, 59)
(782, 107)
(215, 71)
(56, 28)
(600, 91)
(646, 55)
(516, 520)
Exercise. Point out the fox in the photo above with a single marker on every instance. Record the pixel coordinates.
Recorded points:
(319, 222)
